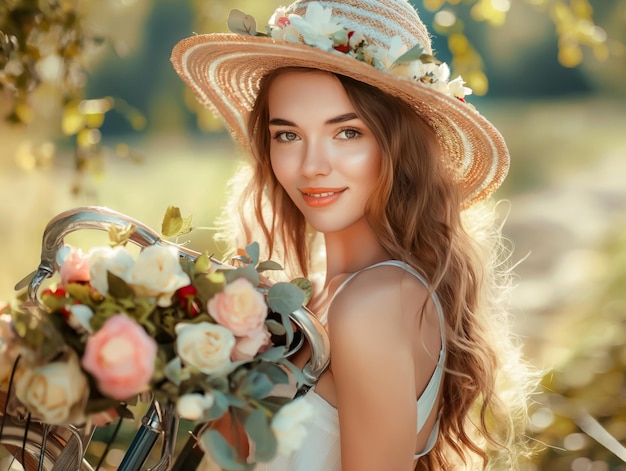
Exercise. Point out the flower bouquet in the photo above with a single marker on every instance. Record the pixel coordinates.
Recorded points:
(204, 338)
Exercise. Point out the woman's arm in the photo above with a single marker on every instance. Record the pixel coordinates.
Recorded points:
(372, 331)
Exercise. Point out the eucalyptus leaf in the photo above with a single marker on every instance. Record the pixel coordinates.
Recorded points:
(275, 327)
(220, 405)
(248, 272)
(275, 403)
(272, 354)
(275, 373)
(259, 430)
(256, 385)
(224, 455)
(253, 251)
(285, 298)
(241, 23)
(305, 285)
(297, 372)
(412, 55)
(268, 265)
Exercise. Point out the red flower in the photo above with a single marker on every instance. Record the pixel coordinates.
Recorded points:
(186, 297)
(57, 293)
(283, 21)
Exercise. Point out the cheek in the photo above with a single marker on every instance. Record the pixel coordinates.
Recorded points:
(283, 169)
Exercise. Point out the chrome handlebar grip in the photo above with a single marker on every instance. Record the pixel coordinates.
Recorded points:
(101, 218)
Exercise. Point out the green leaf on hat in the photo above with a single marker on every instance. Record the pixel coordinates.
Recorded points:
(416, 53)
(411, 55)
(241, 23)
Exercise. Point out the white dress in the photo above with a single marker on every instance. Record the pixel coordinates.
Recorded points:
(321, 451)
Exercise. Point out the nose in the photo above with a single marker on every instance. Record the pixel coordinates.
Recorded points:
(316, 160)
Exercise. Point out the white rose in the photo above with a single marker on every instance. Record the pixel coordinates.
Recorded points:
(102, 260)
(194, 406)
(157, 272)
(288, 425)
(54, 393)
(205, 346)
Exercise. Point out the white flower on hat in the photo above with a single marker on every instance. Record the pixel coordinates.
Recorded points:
(457, 88)
(288, 33)
(316, 27)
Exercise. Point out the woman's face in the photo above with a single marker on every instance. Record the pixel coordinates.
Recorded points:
(324, 157)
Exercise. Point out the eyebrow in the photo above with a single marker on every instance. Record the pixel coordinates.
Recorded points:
(336, 120)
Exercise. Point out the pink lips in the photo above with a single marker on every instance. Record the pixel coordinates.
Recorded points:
(320, 197)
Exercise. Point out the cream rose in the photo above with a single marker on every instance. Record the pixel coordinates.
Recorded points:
(205, 346)
(54, 393)
(157, 272)
(288, 425)
(102, 260)
(240, 307)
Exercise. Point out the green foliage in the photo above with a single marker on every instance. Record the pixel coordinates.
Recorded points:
(581, 413)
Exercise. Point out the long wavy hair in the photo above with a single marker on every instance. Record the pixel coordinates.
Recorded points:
(416, 211)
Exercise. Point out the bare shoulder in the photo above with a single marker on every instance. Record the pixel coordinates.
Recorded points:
(377, 296)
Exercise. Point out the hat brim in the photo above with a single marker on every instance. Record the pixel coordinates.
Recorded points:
(224, 71)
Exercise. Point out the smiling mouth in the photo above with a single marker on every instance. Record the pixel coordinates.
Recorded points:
(321, 195)
(318, 197)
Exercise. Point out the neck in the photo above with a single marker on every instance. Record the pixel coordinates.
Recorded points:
(352, 250)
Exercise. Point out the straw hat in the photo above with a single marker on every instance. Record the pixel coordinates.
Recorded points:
(380, 42)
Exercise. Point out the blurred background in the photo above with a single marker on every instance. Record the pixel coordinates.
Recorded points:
(92, 113)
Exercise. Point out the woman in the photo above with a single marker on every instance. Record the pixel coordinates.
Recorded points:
(365, 152)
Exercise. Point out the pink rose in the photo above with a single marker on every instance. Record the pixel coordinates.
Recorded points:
(120, 356)
(239, 307)
(247, 347)
(75, 268)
